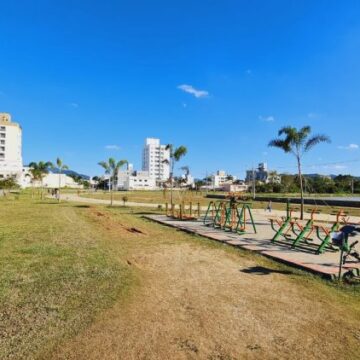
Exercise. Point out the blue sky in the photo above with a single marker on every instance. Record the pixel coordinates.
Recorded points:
(91, 79)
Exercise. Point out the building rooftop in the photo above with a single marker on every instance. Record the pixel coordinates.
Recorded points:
(5, 119)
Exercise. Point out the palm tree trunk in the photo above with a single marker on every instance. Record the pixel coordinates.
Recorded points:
(59, 186)
(111, 192)
(301, 189)
(171, 182)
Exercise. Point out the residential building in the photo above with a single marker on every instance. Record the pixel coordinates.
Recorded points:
(262, 174)
(135, 180)
(10, 147)
(154, 155)
(220, 178)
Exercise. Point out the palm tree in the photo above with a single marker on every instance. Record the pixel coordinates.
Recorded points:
(186, 170)
(60, 167)
(112, 168)
(39, 170)
(297, 142)
(174, 156)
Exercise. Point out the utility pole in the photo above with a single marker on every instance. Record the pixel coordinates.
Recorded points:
(352, 185)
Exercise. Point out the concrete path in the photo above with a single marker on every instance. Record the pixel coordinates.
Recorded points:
(324, 264)
(261, 212)
(81, 199)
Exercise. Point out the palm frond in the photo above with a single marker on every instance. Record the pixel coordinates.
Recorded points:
(180, 152)
(105, 166)
(281, 144)
(317, 139)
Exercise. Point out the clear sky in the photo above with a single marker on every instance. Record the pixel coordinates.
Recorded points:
(91, 79)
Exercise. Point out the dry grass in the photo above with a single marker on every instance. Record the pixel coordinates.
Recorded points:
(161, 197)
(200, 300)
(192, 298)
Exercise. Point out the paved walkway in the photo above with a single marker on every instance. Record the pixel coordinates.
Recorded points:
(324, 264)
(260, 212)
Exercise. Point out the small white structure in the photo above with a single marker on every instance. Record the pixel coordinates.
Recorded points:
(221, 178)
(153, 156)
(51, 181)
(135, 180)
(10, 147)
(235, 187)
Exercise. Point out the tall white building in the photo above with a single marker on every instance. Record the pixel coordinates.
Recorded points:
(153, 156)
(10, 147)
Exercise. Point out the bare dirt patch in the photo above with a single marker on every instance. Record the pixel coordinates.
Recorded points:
(197, 302)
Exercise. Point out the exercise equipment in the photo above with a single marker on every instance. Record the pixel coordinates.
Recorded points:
(182, 211)
(231, 215)
(347, 251)
(306, 233)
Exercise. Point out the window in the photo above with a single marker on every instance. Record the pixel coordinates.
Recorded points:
(2, 135)
(2, 142)
(2, 128)
(2, 148)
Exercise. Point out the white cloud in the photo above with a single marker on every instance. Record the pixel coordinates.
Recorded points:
(74, 105)
(267, 118)
(265, 153)
(248, 72)
(191, 90)
(112, 147)
(184, 105)
(349, 147)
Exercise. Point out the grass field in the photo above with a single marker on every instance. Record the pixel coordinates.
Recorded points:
(161, 197)
(92, 282)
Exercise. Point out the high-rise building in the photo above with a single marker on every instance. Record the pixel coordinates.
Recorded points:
(10, 147)
(154, 155)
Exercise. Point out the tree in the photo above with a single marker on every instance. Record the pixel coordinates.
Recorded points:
(112, 168)
(174, 156)
(124, 199)
(60, 167)
(186, 170)
(38, 171)
(297, 142)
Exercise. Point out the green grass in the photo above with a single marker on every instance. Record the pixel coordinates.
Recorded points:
(56, 275)
(63, 264)
(160, 197)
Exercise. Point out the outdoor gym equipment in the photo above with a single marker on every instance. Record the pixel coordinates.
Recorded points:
(183, 211)
(341, 240)
(229, 215)
(323, 232)
(305, 233)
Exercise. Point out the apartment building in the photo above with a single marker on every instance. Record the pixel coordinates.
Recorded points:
(154, 155)
(263, 175)
(10, 147)
(130, 179)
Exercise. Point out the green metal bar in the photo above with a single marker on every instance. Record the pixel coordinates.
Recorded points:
(251, 217)
(302, 233)
(227, 217)
(327, 239)
(240, 222)
(280, 231)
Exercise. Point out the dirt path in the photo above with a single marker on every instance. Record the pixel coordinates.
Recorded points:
(197, 301)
